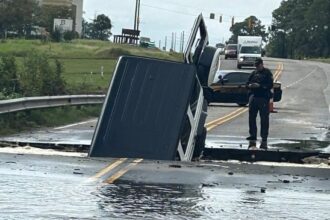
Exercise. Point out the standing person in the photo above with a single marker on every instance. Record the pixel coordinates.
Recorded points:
(260, 84)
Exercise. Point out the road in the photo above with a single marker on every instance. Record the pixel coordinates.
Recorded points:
(301, 121)
(303, 112)
(48, 184)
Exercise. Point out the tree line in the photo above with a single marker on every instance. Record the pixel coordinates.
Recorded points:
(26, 19)
(37, 76)
(300, 29)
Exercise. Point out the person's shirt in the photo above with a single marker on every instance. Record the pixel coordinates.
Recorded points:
(265, 79)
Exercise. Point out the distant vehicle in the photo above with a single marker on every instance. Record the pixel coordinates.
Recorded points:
(229, 86)
(231, 51)
(221, 47)
(147, 43)
(249, 49)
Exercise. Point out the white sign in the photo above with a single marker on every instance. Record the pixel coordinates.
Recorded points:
(63, 24)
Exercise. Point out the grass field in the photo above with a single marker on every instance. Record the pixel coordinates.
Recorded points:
(82, 60)
(80, 49)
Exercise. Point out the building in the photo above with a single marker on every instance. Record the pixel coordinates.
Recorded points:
(77, 6)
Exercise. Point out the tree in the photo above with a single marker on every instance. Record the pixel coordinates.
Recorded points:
(8, 76)
(39, 77)
(87, 30)
(251, 26)
(300, 29)
(102, 27)
(17, 16)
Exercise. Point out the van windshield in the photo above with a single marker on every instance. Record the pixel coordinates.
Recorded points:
(253, 50)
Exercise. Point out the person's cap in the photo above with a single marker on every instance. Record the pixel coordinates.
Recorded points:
(258, 61)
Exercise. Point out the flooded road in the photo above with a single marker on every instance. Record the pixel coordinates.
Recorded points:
(62, 187)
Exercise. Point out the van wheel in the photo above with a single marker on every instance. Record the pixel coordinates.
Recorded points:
(200, 144)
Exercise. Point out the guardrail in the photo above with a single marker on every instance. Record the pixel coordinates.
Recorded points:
(20, 104)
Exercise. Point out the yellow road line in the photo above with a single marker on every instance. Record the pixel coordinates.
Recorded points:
(121, 172)
(213, 124)
(233, 113)
(109, 168)
(222, 120)
(279, 72)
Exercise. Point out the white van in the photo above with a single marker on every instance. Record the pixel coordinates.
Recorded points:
(249, 48)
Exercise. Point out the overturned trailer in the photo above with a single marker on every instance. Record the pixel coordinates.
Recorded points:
(156, 109)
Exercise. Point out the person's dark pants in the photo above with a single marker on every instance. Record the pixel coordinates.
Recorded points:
(260, 105)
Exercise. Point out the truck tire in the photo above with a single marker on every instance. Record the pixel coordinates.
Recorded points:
(239, 66)
(200, 144)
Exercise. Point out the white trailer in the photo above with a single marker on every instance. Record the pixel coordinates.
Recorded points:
(249, 48)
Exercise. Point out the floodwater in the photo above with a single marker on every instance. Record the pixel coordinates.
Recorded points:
(38, 200)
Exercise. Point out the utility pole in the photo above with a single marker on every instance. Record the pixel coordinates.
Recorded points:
(182, 42)
(137, 15)
(174, 41)
(165, 43)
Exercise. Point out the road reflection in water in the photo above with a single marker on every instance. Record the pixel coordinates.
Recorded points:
(137, 201)
(150, 201)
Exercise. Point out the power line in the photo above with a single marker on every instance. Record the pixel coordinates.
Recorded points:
(169, 10)
(190, 14)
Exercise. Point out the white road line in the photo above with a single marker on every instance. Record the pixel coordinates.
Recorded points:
(296, 82)
(75, 124)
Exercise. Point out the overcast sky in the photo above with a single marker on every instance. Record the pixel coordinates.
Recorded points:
(159, 18)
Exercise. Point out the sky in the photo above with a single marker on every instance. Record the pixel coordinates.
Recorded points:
(161, 18)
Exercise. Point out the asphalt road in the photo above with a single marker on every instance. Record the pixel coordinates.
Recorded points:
(302, 116)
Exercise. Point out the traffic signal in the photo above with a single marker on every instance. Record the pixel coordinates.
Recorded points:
(220, 19)
(212, 16)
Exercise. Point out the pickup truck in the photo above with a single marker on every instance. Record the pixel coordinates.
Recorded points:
(156, 109)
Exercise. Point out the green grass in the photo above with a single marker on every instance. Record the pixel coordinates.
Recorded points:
(323, 60)
(82, 60)
(84, 75)
(81, 49)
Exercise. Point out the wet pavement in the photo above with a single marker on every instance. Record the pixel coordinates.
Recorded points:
(234, 142)
(65, 187)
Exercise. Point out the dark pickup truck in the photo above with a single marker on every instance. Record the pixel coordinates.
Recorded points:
(156, 109)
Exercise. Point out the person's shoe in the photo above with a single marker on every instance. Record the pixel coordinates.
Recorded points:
(263, 145)
(252, 145)
(250, 138)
